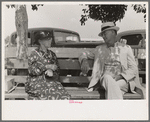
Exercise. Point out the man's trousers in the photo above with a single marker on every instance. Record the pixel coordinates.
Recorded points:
(114, 89)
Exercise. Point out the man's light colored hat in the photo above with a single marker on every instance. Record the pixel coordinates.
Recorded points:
(108, 26)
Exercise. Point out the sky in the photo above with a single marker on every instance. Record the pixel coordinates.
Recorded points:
(67, 16)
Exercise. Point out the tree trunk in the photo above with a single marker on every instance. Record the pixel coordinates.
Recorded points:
(21, 21)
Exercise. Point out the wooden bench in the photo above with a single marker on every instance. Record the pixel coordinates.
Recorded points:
(69, 75)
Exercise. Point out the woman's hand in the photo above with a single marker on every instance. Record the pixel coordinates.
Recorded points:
(51, 66)
(49, 73)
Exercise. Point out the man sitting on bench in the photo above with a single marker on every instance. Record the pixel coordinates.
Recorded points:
(114, 64)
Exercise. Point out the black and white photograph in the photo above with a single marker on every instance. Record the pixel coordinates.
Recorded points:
(75, 60)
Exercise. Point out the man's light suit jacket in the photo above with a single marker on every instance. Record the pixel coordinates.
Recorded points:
(129, 66)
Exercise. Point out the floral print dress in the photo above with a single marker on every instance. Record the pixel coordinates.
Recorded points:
(39, 86)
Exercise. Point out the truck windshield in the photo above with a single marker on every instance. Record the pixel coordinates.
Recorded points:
(133, 39)
(65, 37)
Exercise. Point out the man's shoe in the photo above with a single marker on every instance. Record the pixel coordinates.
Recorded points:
(90, 89)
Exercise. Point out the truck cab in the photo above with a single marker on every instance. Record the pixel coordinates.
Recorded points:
(59, 37)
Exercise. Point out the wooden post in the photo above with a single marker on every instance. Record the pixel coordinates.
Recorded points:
(21, 21)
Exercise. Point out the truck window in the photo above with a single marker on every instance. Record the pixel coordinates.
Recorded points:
(132, 39)
(65, 37)
(14, 40)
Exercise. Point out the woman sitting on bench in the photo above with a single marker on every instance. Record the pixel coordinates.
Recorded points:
(43, 80)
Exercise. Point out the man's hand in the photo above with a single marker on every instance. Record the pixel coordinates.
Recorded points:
(49, 73)
(85, 66)
(118, 77)
(51, 66)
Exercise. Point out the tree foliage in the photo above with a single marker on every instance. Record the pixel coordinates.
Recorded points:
(140, 8)
(103, 12)
(34, 6)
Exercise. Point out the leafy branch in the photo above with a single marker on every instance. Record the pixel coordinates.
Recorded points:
(34, 6)
(103, 12)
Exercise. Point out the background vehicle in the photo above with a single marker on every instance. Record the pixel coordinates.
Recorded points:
(61, 38)
(68, 38)
(135, 38)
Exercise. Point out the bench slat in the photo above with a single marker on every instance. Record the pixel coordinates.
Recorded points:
(76, 93)
(60, 52)
(63, 63)
(132, 96)
(10, 52)
(63, 79)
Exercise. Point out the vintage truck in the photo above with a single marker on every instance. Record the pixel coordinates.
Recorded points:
(60, 38)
